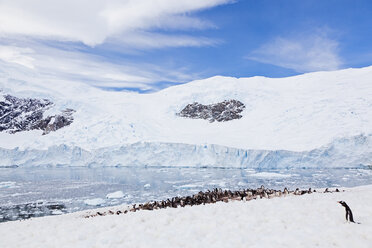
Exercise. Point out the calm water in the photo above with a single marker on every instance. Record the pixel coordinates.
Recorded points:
(27, 192)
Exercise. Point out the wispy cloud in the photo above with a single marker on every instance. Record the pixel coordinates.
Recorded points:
(94, 21)
(148, 40)
(302, 53)
(17, 55)
(59, 39)
(50, 63)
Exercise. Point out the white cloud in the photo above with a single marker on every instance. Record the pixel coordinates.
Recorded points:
(303, 53)
(94, 21)
(46, 35)
(146, 40)
(17, 55)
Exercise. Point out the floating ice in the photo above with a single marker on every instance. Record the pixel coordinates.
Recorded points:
(7, 185)
(116, 194)
(94, 202)
(270, 175)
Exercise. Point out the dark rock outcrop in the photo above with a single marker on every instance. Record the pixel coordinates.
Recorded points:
(224, 111)
(53, 123)
(25, 114)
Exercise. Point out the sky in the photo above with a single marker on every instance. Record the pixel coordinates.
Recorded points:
(147, 45)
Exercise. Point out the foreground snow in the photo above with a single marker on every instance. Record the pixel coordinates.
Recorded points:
(293, 221)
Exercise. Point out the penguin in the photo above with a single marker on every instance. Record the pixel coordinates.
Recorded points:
(349, 214)
(264, 194)
(278, 193)
(297, 192)
(249, 194)
(285, 191)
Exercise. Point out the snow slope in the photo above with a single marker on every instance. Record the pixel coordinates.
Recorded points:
(314, 220)
(298, 114)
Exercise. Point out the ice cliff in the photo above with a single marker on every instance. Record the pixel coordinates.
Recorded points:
(346, 152)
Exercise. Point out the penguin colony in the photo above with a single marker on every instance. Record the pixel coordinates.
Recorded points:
(208, 197)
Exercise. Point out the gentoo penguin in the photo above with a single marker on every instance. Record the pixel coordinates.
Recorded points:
(285, 191)
(349, 214)
(297, 192)
(264, 194)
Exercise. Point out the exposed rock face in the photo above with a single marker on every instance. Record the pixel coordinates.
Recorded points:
(24, 114)
(224, 111)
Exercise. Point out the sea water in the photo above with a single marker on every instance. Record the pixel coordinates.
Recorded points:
(38, 191)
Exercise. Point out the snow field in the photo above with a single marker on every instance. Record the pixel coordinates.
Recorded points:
(314, 220)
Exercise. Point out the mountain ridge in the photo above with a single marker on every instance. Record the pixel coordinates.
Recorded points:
(296, 113)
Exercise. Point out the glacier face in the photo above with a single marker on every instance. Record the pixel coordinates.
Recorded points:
(346, 152)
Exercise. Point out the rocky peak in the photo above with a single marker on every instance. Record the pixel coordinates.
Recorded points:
(223, 111)
(25, 114)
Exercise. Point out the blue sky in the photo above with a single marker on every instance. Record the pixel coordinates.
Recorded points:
(148, 45)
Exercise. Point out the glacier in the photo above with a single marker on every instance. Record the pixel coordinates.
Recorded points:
(350, 152)
(320, 119)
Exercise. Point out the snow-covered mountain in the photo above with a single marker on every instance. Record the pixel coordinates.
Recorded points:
(315, 119)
